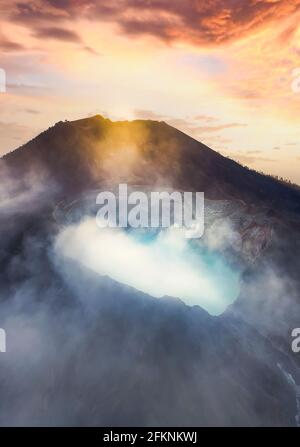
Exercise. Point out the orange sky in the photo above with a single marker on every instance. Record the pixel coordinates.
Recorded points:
(222, 71)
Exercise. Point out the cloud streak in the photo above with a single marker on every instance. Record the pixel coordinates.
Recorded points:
(57, 33)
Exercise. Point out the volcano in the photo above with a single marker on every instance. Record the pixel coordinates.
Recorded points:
(85, 348)
(83, 153)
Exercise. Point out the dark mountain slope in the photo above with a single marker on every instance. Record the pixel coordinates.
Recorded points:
(81, 154)
(86, 350)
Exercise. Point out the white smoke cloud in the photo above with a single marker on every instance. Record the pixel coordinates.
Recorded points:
(221, 235)
(26, 193)
(167, 266)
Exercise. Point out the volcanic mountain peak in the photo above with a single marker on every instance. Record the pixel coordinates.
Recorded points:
(87, 152)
